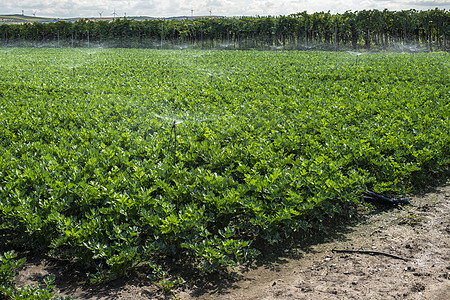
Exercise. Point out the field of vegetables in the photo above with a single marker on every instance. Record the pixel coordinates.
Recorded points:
(117, 157)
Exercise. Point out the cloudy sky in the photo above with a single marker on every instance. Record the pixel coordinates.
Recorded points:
(168, 8)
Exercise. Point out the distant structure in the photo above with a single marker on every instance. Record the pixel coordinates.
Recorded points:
(22, 18)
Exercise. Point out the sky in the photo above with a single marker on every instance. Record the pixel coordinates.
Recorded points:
(170, 8)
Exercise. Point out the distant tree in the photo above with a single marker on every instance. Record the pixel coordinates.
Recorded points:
(366, 28)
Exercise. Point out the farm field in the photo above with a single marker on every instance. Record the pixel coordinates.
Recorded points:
(116, 157)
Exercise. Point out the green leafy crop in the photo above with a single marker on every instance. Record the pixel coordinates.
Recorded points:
(8, 288)
(117, 157)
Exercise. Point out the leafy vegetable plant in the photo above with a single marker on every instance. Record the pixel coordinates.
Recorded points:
(118, 157)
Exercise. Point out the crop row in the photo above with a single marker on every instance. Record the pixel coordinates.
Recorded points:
(118, 157)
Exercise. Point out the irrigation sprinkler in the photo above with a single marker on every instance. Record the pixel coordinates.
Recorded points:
(173, 138)
(175, 122)
(210, 78)
(174, 128)
(173, 132)
(357, 56)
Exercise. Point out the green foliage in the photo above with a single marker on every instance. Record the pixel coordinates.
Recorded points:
(8, 266)
(120, 157)
(411, 219)
(167, 286)
(406, 30)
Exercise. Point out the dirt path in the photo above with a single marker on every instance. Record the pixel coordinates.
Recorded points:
(419, 233)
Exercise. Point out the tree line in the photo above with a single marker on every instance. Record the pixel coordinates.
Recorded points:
(366, 29)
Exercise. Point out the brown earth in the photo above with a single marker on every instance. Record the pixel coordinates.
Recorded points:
(419, 233)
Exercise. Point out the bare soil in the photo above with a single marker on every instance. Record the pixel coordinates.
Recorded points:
(309, 269)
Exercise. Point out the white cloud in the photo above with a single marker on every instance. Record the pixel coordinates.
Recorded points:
(156, 8)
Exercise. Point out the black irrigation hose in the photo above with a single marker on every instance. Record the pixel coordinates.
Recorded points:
(373, 197)
(369, 252)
